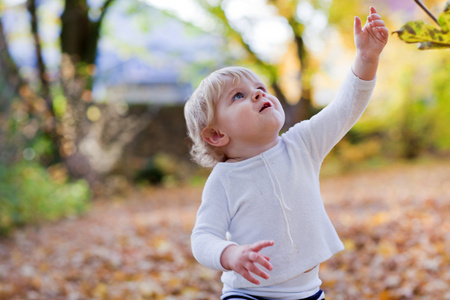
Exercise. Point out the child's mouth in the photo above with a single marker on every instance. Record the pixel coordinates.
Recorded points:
(265, 105)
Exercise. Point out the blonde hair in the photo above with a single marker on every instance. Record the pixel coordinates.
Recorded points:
(199, 112)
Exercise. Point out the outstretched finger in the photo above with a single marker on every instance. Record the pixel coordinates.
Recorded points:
(261, 244)
(357, 26)
(372, 10)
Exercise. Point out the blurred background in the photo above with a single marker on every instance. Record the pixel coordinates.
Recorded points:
(92, 91)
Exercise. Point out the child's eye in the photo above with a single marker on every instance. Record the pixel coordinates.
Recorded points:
(238, 96)
(262, 88)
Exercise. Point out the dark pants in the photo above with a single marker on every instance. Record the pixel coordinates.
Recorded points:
(250, 297)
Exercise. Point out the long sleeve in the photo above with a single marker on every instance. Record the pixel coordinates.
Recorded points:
(276, 195)
(208, 237)
(271, 196)
(328, 127)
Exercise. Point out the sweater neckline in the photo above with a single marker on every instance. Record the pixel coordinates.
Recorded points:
(252, 159)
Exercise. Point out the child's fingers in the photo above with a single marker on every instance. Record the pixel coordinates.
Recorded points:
(373, 17)
(261, 244)
(260, 259)
(246, 274)
(257, 271)
(384, 33)
(357, 26)
(381, 33)
(377, 23)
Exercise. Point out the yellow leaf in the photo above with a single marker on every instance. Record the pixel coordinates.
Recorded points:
(380, 218)
(100, 291)
(189, 291)
(387, 248)
(384, 295)
(349, 244)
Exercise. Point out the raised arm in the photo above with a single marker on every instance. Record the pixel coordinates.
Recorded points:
(327, 127)
(370, 41)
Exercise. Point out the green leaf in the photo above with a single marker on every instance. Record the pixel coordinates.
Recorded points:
(447, 6)
(444, 18)
(421, 32)
(428, 36)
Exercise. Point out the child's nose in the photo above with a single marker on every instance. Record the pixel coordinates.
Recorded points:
(258, 95)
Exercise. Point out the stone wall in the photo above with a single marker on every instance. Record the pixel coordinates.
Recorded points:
(166, 135)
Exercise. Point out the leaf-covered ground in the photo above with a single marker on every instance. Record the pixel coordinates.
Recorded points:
(395, 223)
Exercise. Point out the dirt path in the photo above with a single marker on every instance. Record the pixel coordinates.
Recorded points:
(394, 223)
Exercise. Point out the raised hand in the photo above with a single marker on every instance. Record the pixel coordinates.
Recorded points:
(371, 39)
(243, 259)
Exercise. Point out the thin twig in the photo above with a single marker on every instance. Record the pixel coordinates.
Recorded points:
(427, 11)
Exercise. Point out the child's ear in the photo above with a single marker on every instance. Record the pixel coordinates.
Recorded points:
(214, 137)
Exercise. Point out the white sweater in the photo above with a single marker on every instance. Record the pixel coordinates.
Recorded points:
(276, 196)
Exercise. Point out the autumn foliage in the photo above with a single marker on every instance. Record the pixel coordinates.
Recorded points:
(393, 221)
(428, 36)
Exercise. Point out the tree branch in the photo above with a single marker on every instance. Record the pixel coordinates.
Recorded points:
(220, 14)
(427, 11)
(104, 8)
(31, 6)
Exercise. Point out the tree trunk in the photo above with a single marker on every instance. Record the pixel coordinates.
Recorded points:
(77, 49)
(87, 154)
(45, 85)
(48, 119)
(80, 35)
(75, 33)
(304, 109)
(10, 80)
(10, 83)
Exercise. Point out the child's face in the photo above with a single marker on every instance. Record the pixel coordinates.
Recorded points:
(246, 112)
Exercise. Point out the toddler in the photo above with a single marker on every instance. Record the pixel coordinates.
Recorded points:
(262, 220)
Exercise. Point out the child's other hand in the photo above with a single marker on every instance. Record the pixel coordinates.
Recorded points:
(371, 39)
(242, 259)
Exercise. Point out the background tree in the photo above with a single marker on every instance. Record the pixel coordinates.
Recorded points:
(409, 116)
(303, 107)
(10, 84)
(77, 130)
(10, 80)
